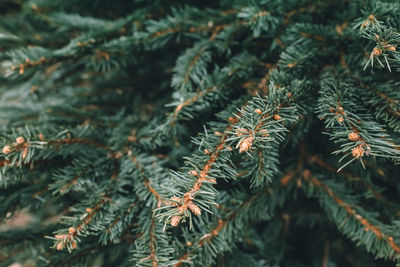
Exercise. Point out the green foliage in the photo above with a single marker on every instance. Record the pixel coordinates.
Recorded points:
(188, 133)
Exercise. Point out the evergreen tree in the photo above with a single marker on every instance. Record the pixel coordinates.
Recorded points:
(192, 133)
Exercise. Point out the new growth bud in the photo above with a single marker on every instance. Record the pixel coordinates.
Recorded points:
(358, 152)
(7, 150)
(20, 140)
(245, 144)
(353, 136)
(194, 208)
(277, 117)
(175, 220)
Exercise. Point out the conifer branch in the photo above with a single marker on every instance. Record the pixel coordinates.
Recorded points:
(152, 256)
(366, 224)
(69, 240)
(146, 182)
(114, 95)
(206, 238)
(186, 203)
(123, 215)
(190, 101)
(349, 176)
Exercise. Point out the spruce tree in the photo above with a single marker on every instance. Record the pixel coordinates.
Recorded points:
(194, 133)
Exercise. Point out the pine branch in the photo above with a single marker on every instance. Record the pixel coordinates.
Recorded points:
(204, 242)
(186, 202)
(147, 182)
(382, 245)
(320, 162)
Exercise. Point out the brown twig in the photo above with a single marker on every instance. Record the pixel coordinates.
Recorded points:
(352, 212)
(206, 238)
(190, 101)
(147, 181)
(189, 196)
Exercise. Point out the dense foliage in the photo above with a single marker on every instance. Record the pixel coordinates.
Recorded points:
(188, 133)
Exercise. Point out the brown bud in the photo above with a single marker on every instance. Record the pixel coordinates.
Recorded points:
(353, 136)
(71, 230)
(193, 173)
(132, 138)
(21, 69)
(74, 244)
(299, 183)
(340, 119)
(175, 220)
(194, 208)
(7, 150)
(60, 246)
(258, 111)
(188, 243)
(358, 152)
(89, 210)
(245, 144)
(25, 151)
(233, 120)
(277, 117)
(20, 140)
(376, 51)
(207, 151)
(306, 174)
(391, 48)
